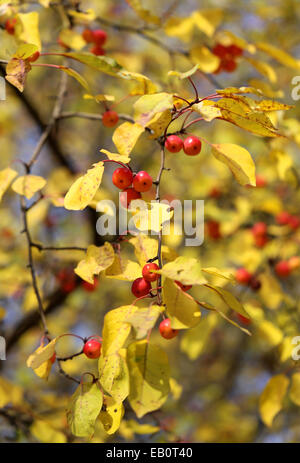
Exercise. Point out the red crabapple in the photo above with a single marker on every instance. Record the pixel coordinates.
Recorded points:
(122, 178)
(110, 118)
(283, 218)
(10, 25)
(92, 349)
(128, 195)
(282, 268)
(99, 37)
(147, 274)
(142, 181)
(90, 287)
(88, 35)
(192, 145)
(97, 50)
(174, 144)
(259, 229)
(242, 276)
(140, 287)
(165, 329)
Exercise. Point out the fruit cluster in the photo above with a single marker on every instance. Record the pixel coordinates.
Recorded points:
(10, 25)
(96, 37)
(191, 145)
(285, 218)
(283, 268)
(132, 185)
(227, 55)
(246, 278)
(259, 232)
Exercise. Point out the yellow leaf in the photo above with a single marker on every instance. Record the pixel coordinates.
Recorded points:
(116, 156)
(187, 270)
(147, 106)
(125, 137)
(153, 218)
(205, 59)
(143, 320)
(207, 110)
(239, 114)
(84, 408)
(184, 75)
(130, 427)
(83, 16)
(10, 393)
(112, 416)
(43, 371)
(123, 269)
(84, 189)
(25, 51)
(270, 292)
(16, 73)
(144, 84)
(264, 68)
(145, 248)
(279, 55)
(28, 185)
(72, 39)
(194, 341)
(149, 377)
(159, 123)
(45, 433)
(270, 402)
(238, 160)
(295, 389)
(27, 28)
(182, 309)
(175, 389)
(115, 329)
(227, 275)
(229, 299)
(6, 177)
(114, 375)
(97, 259)
(269, 333)
(41, 355)
(99, 97)
(142, 13)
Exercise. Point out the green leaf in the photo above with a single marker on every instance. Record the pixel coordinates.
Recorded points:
(84, 408)
(71, 72)
(149, 377)
(100, 63)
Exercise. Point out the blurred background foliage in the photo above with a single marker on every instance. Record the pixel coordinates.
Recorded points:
(218, 372)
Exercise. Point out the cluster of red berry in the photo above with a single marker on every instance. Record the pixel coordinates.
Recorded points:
(10, 24)
(98, 38)
(123, 178)
(246, 278)
(191, 145)
(67, 281)
(283, 268)
(285, 218)
(227, 55)
(259, 231)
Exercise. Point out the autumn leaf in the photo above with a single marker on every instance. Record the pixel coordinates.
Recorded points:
(84, 189)
(28, 185)
(239, 161)
(97, 259)
(149, 377)
(271, 399)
